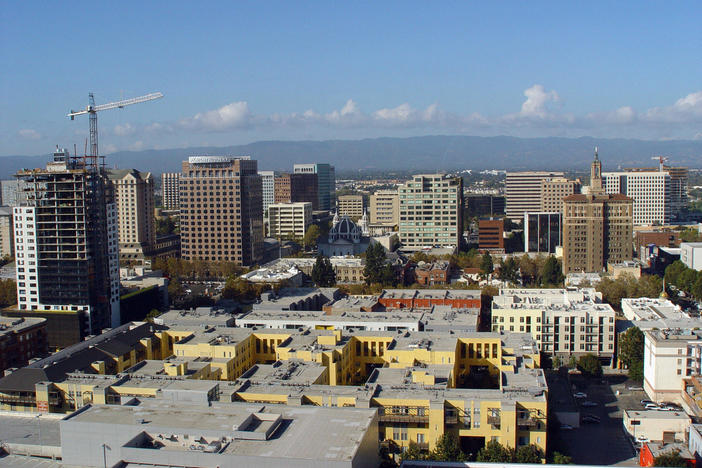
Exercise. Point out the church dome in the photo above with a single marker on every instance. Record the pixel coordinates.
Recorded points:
(345, 229)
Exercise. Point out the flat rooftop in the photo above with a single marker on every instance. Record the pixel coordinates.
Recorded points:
(314, 433)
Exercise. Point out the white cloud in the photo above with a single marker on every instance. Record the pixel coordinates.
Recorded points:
(29, 134)
(685, 109)
(124, 130)
(109, 148)
(537, 99)
(538, 116)
(137, 146)
(231, 116)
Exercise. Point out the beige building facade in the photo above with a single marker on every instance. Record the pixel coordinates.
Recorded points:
(597, 227)
(170, 189)
(286, 220)
(7, 238)
(554, 190)
(351, 206)
(563, 322)
(221, 209)
(385, 208)
(134, 197)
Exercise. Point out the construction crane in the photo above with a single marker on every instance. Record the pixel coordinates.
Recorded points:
(92, 110)
(661, 160)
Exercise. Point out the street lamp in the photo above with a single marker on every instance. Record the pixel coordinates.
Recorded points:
(104, 454)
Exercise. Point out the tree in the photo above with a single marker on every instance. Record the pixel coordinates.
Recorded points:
(323, 273)
(311, 236)
(529, 454)
(673, 271)
(375, 263)
(413, 452)
(590, 365)
(8, 293)
(671, 458)
(552, 272)
(636, 371)
(529, 270)
(697, 288)
(509, 271)
(447, 449)
(175, 289)
(556, 362)
(572, 362)
(561, 459)
(152, 315)
(495, 452)
(486, 265)
(631, 346)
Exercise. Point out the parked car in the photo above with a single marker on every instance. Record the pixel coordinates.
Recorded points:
(652, 406)
(647, 402)
(674, 406)
(580, 395)
(589, 404)
(590, 419)
(566, 427)
(632, 388)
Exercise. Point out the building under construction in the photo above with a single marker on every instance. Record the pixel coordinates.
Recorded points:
(67, 255)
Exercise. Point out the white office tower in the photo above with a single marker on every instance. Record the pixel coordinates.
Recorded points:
(268, 185)
(651, 191)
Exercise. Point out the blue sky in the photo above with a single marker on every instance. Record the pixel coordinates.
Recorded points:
(237, 72)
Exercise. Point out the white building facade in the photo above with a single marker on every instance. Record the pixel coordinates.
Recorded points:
(650, 190)
(669, 357)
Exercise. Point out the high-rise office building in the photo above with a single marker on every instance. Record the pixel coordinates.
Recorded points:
(287, 220)
(523, 192)
(134, 197)
(221, 209)
(554, 190)
(597, 227)
(351, 206)
(294, 188)
(385, 208)
(326, 182)
(659, 193)
(431, 211)
(170, 189)
(651, 191)
(66, 246)
(542, 231)
(268, 187)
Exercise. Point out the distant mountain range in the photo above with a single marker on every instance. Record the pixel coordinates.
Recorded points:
(425, 153)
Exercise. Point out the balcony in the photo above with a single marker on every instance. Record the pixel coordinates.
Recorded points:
(494, 418)
(527, 421)
(450, 419)
(403, 414)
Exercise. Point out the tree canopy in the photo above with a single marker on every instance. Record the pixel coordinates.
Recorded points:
(495, 452)
(671, 458)
(310, 238)
(447, 449)
(631, 352)
(486, 265)
(590, 365)
(323, 273)
(377, 270)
